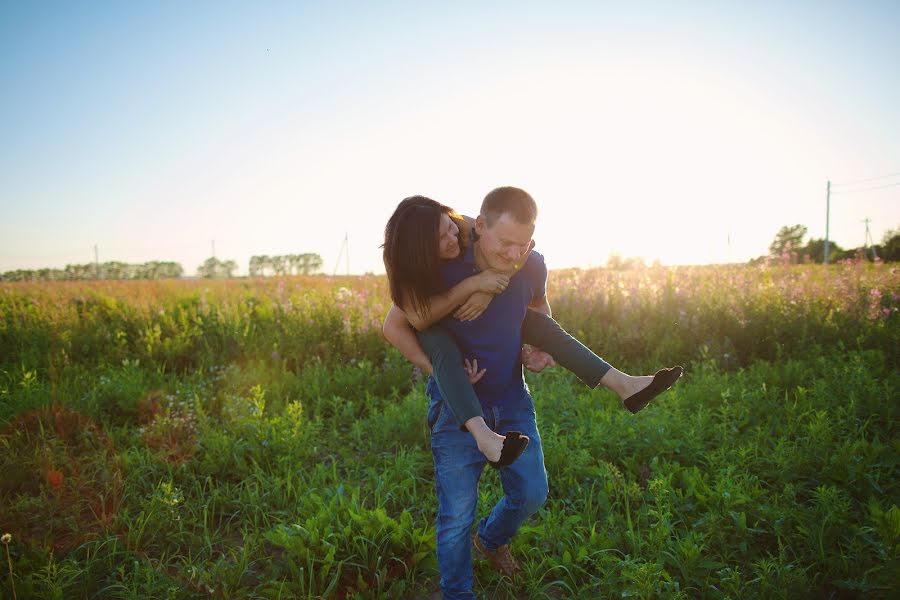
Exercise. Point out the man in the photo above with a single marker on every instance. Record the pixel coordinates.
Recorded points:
(501, 244)
(503, 234)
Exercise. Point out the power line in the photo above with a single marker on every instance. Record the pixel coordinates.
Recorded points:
(868, 189)
(868, 179)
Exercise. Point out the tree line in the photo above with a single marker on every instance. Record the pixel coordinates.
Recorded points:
(789, 246)
(107, 270)
(286, 264)
(260, 266)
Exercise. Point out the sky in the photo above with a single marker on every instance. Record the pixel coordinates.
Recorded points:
(683, 132)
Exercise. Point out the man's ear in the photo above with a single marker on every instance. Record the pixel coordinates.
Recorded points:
(480, 225)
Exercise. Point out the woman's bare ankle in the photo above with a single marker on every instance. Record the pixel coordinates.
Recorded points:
(624, 385)
(489, 442)
(615, 381)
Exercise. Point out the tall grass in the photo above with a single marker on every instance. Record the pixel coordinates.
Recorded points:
(257, 439)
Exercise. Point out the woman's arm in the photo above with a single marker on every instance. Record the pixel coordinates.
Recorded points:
(488, 283)
(441, 305)
(398, 331)
(402, 336)
(478, 302)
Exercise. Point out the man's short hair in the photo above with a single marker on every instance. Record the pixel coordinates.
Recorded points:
(509, 200)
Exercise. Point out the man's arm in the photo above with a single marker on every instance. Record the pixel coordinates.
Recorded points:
(541, 305)
(398, 331)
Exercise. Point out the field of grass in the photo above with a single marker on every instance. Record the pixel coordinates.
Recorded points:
(258, 439)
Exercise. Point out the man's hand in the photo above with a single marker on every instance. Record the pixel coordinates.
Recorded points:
(472, 370)
(473, 307)
(536, 359)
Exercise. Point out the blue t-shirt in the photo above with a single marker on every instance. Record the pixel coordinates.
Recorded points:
(495, 337)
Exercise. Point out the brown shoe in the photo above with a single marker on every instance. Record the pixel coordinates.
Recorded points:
(502, 559)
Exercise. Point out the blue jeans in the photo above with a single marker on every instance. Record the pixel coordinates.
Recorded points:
(457, 468)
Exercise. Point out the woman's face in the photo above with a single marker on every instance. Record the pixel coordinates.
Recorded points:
(448, 238)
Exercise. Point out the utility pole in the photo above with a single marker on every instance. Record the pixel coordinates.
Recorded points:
(729, 246)
(827, 217)
(96, 263)
(345, 247)
(214, 248)
(868, 240)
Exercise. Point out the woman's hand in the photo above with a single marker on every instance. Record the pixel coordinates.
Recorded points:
(472, 370)
(473, 307)
(490, 282)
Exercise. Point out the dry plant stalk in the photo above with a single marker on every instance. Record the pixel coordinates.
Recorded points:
(6, 539)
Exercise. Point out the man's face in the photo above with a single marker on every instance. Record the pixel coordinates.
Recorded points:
(502, 246)
(448, 238)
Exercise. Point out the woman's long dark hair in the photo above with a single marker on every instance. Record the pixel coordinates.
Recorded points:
(412, 251)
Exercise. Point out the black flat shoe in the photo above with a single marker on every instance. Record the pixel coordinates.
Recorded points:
(513, 447)
(662, 381)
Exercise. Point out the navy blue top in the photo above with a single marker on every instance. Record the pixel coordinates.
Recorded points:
(495, 337)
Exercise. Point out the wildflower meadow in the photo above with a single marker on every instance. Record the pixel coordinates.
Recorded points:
(257, 438)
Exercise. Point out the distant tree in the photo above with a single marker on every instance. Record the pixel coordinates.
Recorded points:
(815, 250)
(228, 268)
(286, 264)
(79, 272)
(310, 263)
(614, 261)
(619, 263)
(295, 262)
(21, 275)
(889, 249)
(213, 267)
(208, 268)
(173, 270)
(259, 264)
(279, 265)
(107, 270)
(253, 269)
(788, 240)
(114, 270)
(157, 270)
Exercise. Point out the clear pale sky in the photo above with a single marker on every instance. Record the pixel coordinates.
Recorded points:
(688, 132)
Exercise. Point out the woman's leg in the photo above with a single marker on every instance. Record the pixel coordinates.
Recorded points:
(542, 331)
(458, 394)
(635, 391)
(450, 375)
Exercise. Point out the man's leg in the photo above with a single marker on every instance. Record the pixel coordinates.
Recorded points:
(524, 483)
(457, 467)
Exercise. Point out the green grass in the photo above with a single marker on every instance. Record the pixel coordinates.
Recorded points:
(186, 465)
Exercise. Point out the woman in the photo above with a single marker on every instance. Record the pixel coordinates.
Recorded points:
(418, 237)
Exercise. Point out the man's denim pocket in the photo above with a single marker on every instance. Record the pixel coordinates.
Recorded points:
(435, 410)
